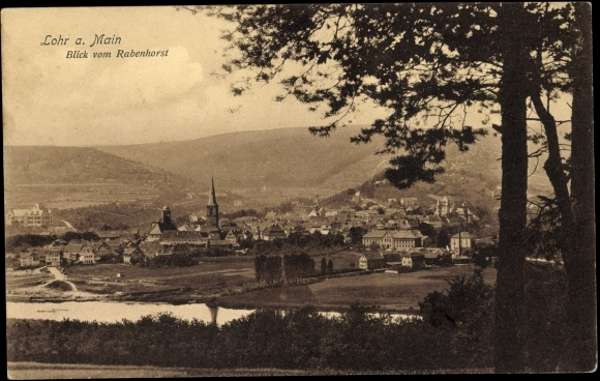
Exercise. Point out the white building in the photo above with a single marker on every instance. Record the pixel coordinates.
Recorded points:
(394, 239)
(460, 242)
(36, 216)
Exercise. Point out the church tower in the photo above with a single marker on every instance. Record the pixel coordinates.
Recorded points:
(165, 215)
(166, 223)
(212, 208)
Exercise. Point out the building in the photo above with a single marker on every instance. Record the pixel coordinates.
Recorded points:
(405, 239)
(435, 221)
(88, 255)
(103, 250)
(370, 262)
(461, 242)
(53, 258)
(413, 261)
(232, 238)
(29, 259)
(132, 254)
(189, 238)
(212, 226)
(442, 207)
(273, 232)
(72, 250)
(437, 257)
(165, 224)
(37, 216)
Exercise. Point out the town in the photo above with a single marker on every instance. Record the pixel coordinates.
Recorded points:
(398, 235)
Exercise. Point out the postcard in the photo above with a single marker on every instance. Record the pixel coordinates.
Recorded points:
(281, 190)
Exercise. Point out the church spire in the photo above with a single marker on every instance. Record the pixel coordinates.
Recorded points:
(212, 208)
(212, 198)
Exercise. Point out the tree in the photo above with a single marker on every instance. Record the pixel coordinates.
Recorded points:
(582, 281)
(509, 355)
(420, 62)
(563, 63)
(443, 238)
(356, 234)
(426, 229)
(259, 268)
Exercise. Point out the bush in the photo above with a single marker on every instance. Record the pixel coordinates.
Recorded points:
(455, 333)
(170, 260)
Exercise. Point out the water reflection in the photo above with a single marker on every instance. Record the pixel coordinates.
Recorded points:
(109, 312)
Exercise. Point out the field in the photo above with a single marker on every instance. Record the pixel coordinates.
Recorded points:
(206, 277)
(22, 279)
(228, 279)
(394, 292)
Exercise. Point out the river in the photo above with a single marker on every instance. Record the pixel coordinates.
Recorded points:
(110, 312)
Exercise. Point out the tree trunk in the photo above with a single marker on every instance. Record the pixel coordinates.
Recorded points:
(559, 180)
(581, 307)
(509, 343)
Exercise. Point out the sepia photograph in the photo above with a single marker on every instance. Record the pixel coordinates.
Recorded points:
(298, 190)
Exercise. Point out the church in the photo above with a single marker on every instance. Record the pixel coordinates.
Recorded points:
(212, 227)
(165, 229)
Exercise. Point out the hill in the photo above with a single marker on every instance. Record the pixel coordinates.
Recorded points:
(66, 177)
(252, 170)
(473, 176)
(286, 163)
(259, 164)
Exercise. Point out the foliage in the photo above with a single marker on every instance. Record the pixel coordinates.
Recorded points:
(544, 231)
(426, 229)
(36, 240)
(297, 241)
(85, 236)
(299, 339)
(443, 237)
(455, 333)
(356, 234)
(483, 256)
(268, 269)
(27, 240)
(170, 260)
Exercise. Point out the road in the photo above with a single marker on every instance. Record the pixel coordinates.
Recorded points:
(68, 224)
(59, 275)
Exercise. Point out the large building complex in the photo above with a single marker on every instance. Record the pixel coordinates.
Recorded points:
(37, 216)
(394, 239)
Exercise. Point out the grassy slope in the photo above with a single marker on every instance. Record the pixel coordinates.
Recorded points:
(298, 162)
(281, 158)
(77, 176)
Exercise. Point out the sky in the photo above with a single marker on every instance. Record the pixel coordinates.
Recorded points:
(51, 100)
